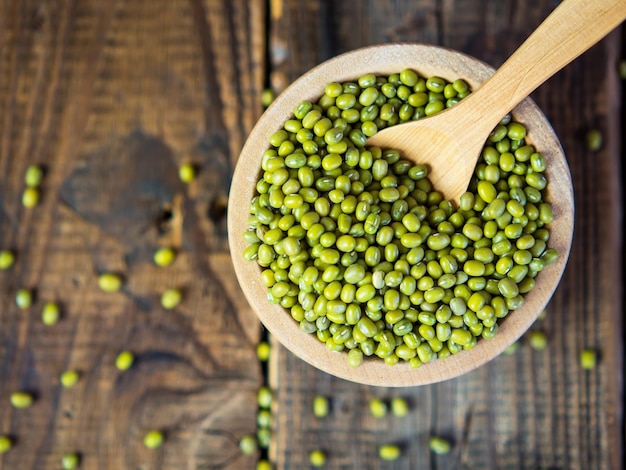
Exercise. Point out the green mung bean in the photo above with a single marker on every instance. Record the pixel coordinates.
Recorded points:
(30, 197)
(7, 258)
(187, 172)
(265, 397)
(389, 452)
(70, 461)
(23, 298)
(110, 282)
(124, 360)
(6, 443)
(153, 439)
(439, 445)
(33, 176)
(378, 408)
(537, 340)
(264, 465)
(321, 406)
(317, 458)
(21, 400)
(399, 407)
(248, 445)
(69, 378)
(170, 298)
(588, 359)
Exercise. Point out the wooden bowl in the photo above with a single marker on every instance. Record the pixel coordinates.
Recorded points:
(384, 60)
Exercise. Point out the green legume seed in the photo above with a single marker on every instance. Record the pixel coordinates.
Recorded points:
(434, 107)
(124, 360)
(399, 407)
(23, 298)
(187, 172)
(321, 406)
(70, 461)
(317, 458)
(7, 258)
(537, 340)
(508, 288)
(460, 336)
(153, 439)
(593, 140)
(30, 197)
(263, 351)
(355, 357)
(389, 452)
(267, 97)
(165, 256)
(378, 408)
(33, 176)
(264, 465)
(69, 378)
(6, 443)
(588, 359)
(264, 437)
(486, 191)
(474, 268)
(171, 298)
(21, 400)
(439, 445)
(248, 445)
(265, 397)
(110, 282)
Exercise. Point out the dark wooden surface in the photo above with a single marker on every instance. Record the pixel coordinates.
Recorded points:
(111, 96)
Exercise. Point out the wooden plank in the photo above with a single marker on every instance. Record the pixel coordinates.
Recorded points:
(110, 97)
(534, 409)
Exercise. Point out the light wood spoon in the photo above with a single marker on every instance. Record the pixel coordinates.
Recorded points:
(451, 142)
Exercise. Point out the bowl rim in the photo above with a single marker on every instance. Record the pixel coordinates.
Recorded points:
(427, 60)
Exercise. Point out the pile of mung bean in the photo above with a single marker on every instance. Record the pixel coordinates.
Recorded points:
(363, 252)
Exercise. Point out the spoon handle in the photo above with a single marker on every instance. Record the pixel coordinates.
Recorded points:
(572, 28)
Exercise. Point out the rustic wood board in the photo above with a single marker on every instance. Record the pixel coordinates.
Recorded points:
(109, 97)
(534, 409)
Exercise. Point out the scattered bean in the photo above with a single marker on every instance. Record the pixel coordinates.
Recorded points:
(69, 378)
(153, 439)
(439, 445)
(171, 298)
(70, 461)
(7, 258)
(164, 256)
(50, 313)
(317, 458)
(124, 360)
(21, 400)
(110, 282)
(6, 443)
(187, 172)
(389, 452)
(588, 359)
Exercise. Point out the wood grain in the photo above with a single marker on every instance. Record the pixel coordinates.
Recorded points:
(534, 409)
(110, 97)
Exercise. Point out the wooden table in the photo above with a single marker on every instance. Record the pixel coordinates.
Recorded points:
(111, 97)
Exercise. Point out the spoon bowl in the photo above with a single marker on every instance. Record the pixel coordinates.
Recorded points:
(384, 60)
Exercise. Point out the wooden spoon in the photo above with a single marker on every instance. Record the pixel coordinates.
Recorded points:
(450, 142)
